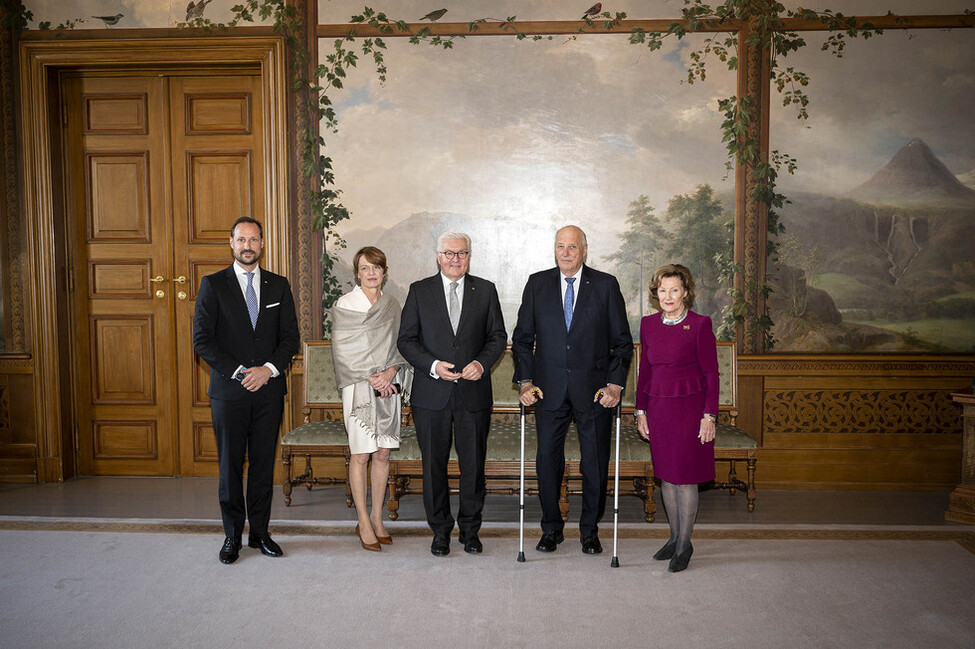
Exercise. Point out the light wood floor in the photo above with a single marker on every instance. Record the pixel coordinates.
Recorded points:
(195, 499)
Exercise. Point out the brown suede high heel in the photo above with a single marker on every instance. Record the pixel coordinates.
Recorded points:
(372, 547)
(385, 540)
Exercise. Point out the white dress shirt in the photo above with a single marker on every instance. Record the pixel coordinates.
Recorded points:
(575, 287)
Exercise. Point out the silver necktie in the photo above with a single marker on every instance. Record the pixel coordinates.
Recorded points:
(453, 307)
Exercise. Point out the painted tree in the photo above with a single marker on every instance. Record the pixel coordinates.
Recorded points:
(700, 239)
(641, 250)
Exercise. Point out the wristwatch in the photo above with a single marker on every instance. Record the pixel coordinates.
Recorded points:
(709, 416)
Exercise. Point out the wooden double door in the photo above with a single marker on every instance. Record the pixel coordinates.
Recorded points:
(157, 168)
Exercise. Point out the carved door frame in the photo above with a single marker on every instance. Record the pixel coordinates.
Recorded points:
(39, 113)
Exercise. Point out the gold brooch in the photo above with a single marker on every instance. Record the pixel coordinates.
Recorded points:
(687, 327)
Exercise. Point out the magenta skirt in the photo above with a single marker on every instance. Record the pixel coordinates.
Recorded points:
(679, 457)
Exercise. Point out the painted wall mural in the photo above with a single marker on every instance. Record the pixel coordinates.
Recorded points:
(879, 249)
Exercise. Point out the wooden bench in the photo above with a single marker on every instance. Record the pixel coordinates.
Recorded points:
(327, 438)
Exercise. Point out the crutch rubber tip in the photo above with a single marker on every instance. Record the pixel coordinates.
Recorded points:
(521, 557)
(615, 563)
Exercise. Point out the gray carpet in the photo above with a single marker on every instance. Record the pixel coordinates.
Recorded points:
(147, 590)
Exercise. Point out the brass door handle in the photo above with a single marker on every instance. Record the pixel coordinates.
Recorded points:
(179, 280)
(157, 279)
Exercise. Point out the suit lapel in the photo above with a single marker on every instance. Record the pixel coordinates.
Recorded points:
(467, 306)
(236, 295)
(435, 286)
(584, 296)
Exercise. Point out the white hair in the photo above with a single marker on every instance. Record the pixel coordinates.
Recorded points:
(452, 235)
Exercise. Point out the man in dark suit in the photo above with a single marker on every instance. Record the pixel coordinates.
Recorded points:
(452, 332)
(246, 330)
(572, 347)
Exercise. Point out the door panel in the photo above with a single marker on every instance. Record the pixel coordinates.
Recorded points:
(119, 240)
(158, 168)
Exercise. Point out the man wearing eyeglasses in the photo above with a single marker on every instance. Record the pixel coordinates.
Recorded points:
(452, 332)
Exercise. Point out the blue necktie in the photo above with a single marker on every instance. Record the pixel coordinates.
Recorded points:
(569, 299)
(250, 296)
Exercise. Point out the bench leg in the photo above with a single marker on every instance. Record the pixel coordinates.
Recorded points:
(286, 487)
(348, 485)
(308, 473)
(751, 484)
(644, 489)
(397, 487)
(564, 495)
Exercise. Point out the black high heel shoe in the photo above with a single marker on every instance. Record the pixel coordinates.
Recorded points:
(666, 552)
(680, 561)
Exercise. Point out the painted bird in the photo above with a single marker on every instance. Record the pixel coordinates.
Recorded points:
(194, 10)
(592, 11)
(109, 20)
(434, 16)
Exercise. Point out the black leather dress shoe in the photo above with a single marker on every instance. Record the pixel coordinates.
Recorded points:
(680, 561)
(472, 544)
(591, 545)
(266, 545)
(550, 541)
(230, 550)
(440, 546)
(666, 552)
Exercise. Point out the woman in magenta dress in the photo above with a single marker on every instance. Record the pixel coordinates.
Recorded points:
(676, 403)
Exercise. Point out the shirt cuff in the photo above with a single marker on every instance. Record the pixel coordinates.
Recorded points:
(433, 370)
(274, 371)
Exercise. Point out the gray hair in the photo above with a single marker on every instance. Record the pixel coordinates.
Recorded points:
(452, 235)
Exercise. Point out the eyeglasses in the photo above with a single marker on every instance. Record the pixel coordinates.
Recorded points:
(450, 254)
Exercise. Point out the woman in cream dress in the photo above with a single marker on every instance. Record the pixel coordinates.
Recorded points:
(371, 375)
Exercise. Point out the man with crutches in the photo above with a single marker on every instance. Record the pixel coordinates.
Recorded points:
(572, 348)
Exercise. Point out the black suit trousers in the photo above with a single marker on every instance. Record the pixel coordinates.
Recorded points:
(468, 431)
(594, 425)
(246, 427)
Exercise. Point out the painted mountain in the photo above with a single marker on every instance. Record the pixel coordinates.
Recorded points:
(890, 267)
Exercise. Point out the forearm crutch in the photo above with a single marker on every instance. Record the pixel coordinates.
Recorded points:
(615, 563)
(521, 492)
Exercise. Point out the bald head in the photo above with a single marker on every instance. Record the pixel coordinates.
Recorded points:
(571, 249)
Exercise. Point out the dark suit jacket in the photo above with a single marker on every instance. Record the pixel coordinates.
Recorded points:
(576, 363)
(223, 337)
(425, 335)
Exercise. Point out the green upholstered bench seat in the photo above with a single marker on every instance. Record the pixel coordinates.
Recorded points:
(317, 433)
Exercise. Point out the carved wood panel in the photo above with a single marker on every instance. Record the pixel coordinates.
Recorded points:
(860, 411)
(115, 114)
(123, 359)
(228, 113)
(118, 196)
(219, 186)
(125, 440)
(119, 278)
